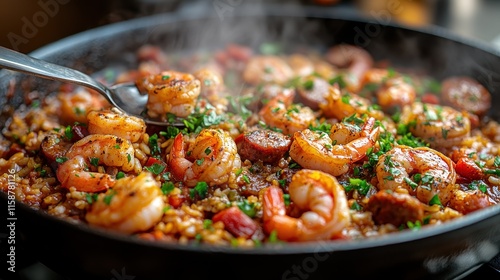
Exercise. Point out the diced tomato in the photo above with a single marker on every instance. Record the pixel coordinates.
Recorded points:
(467, 168)
(430, 98)
(152, 160)
(175, 200)
(236, 222)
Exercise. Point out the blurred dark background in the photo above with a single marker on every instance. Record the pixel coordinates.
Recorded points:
(29, 24)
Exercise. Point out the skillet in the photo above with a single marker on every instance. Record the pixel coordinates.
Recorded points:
(446, 251)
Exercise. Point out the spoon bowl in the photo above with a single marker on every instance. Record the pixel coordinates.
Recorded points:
(124, 96)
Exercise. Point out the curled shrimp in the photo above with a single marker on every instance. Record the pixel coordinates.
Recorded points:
(440, 126)
(316, 150)
(281, 113)
(211, 80)
(115, 123)
(323, 201)
(354, 59)
(267, 69)
(95, 149)
(301, 65)
(134, 204)
(422, 172)
(171, 92)
(395, 93)
(76, 105)
(342, 105)
(213, 158)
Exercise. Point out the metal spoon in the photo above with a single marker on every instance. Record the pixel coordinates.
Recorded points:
(126, 97)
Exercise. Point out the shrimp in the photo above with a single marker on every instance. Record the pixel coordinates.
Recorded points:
(75, 106)
(267, 69)
(171, 92)
(210, 79)
(422, 172)
(134, 204)
(342, 105)
(301, 65)
(440, 126)
(355, 59)
(280, 113)
(95, 149)
(323, 201)
(116, 123)
(212, 84)
(214, 157)
(316, 150)
(395, 93)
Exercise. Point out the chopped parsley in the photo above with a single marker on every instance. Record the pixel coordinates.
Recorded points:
(247, 208)
(322, 127)
(346, 98)
(207, 224)
(94, 161)
(68, 132)
(167, 187)
(355, 206)
(410, 183)
(107, 198)
(153, 144)
(200, 161)
(120, 175)
(414, 225)
(273, 237)
(91, 198)
(362, 186)
(155, 168)
(338, 80)
(239, 105)
(478, 185)
(286, 199)
(309, 84)
(435, 201)
(201, 189)
(496, 161)
(246, 178)
(61, 159)
(171, 132)
(197, 121)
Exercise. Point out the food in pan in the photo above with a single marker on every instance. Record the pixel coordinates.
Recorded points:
(276, 147)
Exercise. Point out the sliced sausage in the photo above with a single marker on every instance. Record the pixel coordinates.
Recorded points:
(394, 208)
(54, 147)
(464, 93)
(312, 91)
(469, 201)
(265, 145)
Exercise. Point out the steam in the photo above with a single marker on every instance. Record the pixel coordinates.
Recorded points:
(231, 21)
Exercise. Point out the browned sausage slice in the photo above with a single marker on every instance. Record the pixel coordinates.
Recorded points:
(470, 201)
(265, 145)
(394, 208)
(53, 147)
(312, 91)
(464, 93)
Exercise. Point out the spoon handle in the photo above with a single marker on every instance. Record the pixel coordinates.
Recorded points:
(16, 61)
